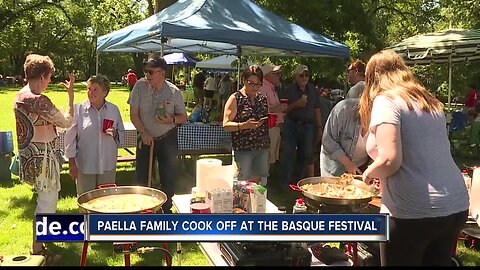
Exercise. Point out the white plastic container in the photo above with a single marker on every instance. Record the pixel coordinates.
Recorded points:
(299, 207)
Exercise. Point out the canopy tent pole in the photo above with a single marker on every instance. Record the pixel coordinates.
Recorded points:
(161, 46)
(238, 72)
(239, 59)
(449, 81)
(96, 65)
(345, 81)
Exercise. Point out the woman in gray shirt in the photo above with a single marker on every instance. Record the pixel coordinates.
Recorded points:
(423, 189)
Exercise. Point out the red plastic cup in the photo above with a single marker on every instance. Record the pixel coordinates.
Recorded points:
(271, 120)
(107, 123)
(284, 101)
(200, 208)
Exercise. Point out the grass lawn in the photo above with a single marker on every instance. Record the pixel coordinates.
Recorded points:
(18, 205)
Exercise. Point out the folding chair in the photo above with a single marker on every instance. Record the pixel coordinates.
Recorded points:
(459, 122)
(474, 137)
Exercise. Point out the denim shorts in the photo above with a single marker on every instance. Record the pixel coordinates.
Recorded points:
(251, 163)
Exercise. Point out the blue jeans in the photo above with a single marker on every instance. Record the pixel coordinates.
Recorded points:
(297, 140)
(165, 150)
(251, 163)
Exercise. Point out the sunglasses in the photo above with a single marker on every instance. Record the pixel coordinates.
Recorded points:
(151, 72)
(252, 84)
(304, 75)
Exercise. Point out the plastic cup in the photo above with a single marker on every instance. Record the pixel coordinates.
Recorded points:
(161, 111)
(271, 120)
(107, 123)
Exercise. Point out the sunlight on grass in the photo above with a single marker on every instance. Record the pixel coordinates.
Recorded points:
(118, 95)
(17, 198)
(16, 238)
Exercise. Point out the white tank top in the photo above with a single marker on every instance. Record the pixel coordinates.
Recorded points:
(360, 155)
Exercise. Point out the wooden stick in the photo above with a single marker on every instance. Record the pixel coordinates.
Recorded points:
(150, 165)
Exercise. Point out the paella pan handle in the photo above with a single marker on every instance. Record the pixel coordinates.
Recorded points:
(106, 185)
(295, 187)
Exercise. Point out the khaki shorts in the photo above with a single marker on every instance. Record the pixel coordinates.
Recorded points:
(88, 182)
(274, 151)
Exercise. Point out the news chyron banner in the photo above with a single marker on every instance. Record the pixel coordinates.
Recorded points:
(212, 227)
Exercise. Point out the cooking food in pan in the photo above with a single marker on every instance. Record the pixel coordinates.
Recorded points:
(121, 203)
(340, 190)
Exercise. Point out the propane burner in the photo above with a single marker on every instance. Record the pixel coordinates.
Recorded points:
(325, 208)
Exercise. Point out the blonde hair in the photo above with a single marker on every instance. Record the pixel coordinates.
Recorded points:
(102, 81)
(387, 75)
(37, 65)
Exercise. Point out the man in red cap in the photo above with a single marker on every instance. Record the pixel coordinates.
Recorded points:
(131, 79)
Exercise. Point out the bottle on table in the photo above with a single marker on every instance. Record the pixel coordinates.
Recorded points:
(299, 207)
(199, 198)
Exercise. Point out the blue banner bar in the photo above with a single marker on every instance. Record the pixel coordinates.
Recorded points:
(234, 227)
(60, 228)
(212, 227)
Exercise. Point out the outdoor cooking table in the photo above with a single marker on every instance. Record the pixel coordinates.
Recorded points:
(194, 139)
(181, 204)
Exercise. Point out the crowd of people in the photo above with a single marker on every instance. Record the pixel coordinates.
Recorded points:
(389, 127)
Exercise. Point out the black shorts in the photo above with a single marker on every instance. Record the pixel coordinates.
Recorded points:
(209, 93)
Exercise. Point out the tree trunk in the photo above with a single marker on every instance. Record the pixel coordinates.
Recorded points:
(138, 60)
(161, 4)
(150, 7)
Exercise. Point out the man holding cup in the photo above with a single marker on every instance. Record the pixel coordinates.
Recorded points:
(271, 78)
(156, 108)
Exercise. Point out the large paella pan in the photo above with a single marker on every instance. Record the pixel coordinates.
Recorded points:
(121, 200)
(336, 190)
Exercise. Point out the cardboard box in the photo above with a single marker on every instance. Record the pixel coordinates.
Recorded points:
(258, 199)
(214, 200)
(227, 200)
(241, 196)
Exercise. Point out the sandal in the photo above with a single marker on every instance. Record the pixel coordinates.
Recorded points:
(50, 256)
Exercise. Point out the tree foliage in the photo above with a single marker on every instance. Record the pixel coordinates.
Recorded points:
(67, 31)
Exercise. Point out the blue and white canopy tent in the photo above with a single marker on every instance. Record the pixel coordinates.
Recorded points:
(449, 46)
(181, 59)
(225, 27)
(221, 63)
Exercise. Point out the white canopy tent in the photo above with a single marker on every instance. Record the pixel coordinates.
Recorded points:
(223, 62)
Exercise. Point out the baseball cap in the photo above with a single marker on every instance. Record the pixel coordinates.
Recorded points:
(300, 69)
(157, 62)
(270, 68)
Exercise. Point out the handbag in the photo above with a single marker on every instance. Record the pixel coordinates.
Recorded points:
(49, 177)
(50, 166)
(15, 166)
